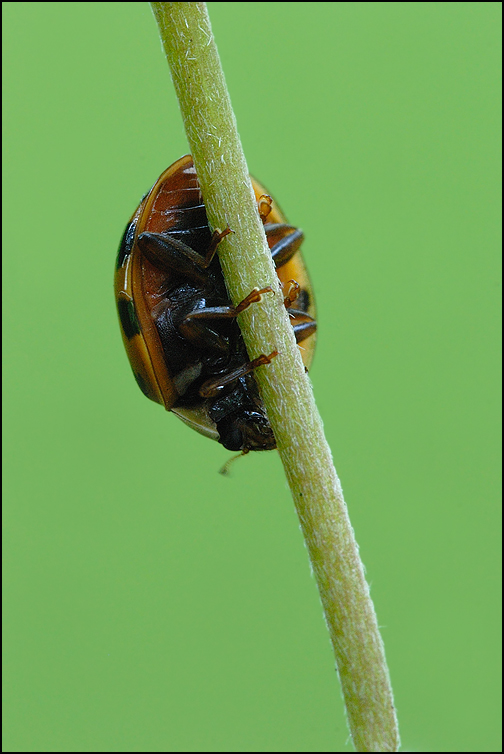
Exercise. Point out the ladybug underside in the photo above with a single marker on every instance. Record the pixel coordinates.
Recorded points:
(185, 325)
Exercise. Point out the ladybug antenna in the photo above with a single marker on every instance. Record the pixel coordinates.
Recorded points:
(225, 469)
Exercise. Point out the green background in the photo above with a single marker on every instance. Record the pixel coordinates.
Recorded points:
(151, 604)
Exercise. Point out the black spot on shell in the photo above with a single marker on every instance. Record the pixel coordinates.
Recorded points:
(143, 385)
(126, 244)
(128, 317)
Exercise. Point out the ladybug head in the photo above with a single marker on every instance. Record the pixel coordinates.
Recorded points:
(246, 430)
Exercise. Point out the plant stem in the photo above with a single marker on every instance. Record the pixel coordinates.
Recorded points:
(285, 389)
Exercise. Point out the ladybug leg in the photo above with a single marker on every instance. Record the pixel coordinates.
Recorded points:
(168, 253)
(227, 312)
(284, 240)
(217, 237)
(254, 297)
(193, 327)
(303, 325)
(212, 388)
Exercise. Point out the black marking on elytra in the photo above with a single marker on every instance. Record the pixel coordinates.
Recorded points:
(128, 317)
(126, 244)
(143, 385)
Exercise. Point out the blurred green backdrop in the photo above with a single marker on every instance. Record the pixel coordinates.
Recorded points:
(151, 604)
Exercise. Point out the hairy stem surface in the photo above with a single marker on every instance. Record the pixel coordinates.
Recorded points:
(285, 389)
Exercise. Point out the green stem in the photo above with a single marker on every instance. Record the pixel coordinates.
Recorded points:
(285, 389)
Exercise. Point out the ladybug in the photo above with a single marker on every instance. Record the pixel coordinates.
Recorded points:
(178, 324)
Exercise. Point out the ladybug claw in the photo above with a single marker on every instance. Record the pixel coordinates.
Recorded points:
(292, 293)
(217, 237)
(264, 206)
